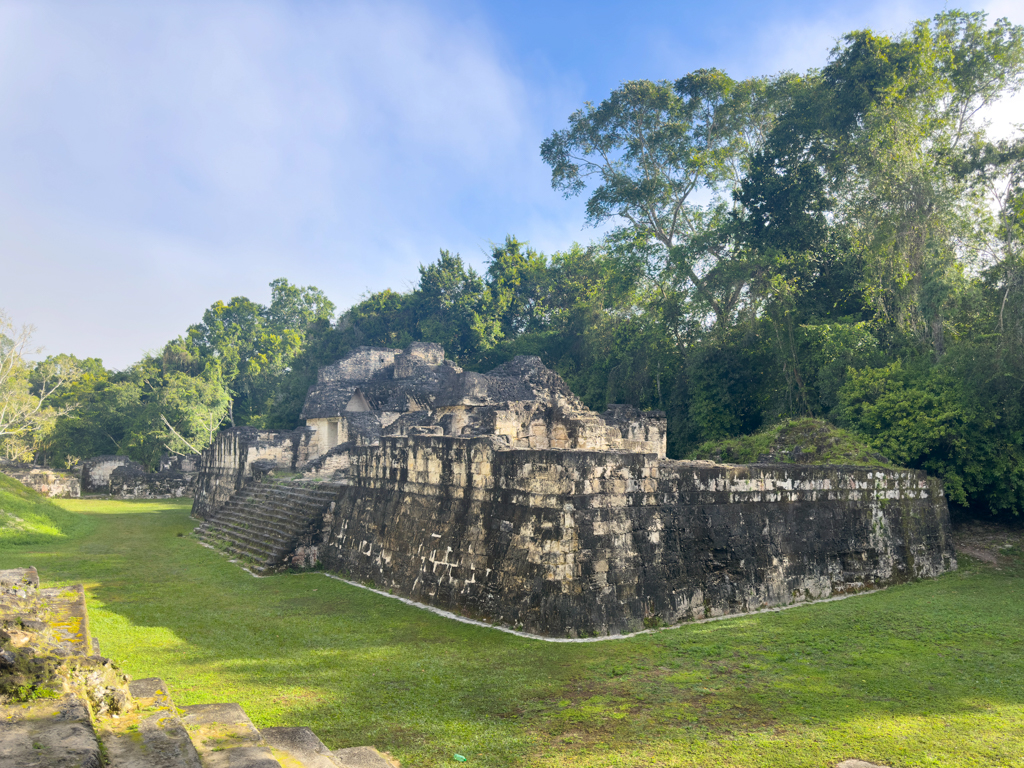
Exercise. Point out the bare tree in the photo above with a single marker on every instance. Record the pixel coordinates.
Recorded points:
(24, 406)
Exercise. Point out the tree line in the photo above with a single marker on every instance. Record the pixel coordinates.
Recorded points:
(843, 243)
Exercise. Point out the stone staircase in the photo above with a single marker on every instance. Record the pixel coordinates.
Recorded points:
(62, 705)
(263, 522)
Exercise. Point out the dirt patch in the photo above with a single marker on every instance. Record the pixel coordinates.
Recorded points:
(992, 543)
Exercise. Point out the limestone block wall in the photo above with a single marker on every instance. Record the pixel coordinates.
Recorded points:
(46, 481)
(96, 472)
(361, 364)
(130, 483)
(179, 463)
(540, 426)
(585, 543)
(227, 464)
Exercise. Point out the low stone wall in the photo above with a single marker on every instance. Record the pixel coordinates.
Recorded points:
(588, 543)
(96, 472)
(131, 482)
(48, 482)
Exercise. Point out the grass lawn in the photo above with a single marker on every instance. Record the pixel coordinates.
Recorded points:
(930, 673)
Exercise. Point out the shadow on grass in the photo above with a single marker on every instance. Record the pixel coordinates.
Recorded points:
(944, 657)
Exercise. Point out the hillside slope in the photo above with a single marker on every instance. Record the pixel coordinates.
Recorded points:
(26, 517)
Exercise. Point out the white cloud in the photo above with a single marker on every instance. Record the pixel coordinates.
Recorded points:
(193, 150)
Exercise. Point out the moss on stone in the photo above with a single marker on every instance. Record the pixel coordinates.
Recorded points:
(794, 441)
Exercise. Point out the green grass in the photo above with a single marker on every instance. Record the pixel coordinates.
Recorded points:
(928, 673)
(794, 441)
(28, 518)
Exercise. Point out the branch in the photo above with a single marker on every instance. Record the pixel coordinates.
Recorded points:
(178, 434)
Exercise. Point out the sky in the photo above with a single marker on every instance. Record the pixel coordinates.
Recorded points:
(158, 157)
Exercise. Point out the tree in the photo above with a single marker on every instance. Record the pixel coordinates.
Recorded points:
(880, 146)
(516, 278)
(651, 149)
(27, 391)
(251, 345)
(453, 307)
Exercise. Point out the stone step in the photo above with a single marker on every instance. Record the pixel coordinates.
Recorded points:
(125, 724)
(69, 619)
(363, 757)
(239, 519)
(299, 747)
(256, 552)
(48, 733)
(290, 494)
(261, 507)
(225, 737)
(152, 736)
(268, 517)
(262, 523)
(262, 542)
(256, 532)
(277, 505)
(295, 493)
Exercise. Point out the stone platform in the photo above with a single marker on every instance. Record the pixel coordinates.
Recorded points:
(63, 705)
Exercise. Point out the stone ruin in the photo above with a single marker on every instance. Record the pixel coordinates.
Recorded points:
(63, 705)
(48, 482)
(127, 479)
(502, 497)
(116, 476)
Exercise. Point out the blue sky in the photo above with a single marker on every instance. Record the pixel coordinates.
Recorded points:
(160, 156)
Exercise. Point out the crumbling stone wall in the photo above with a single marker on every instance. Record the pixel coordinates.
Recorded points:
(96, 472)
(127, 479)
(592, 543)
(377, 391)
(229, 462)
(46, 481)
(179, 463)
(133, 482)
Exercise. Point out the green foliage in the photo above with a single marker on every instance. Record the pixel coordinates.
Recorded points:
(794, 441)
(453, 307)
(945, 419)
(251, 346)
(29, 391)
(141, 412)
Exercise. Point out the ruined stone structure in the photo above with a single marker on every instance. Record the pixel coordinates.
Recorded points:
(46, 481)
(63, 705)
(502, 496)
(127, 479)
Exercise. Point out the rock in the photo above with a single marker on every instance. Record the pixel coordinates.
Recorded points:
(363, 757)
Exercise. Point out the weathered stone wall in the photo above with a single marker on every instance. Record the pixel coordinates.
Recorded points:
(96, 472)
(229, 462)
(131, 482)
(179, 463)
(584, 543)
(46, 481)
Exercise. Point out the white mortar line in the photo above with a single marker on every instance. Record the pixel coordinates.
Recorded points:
(517, 633)
(508, 630)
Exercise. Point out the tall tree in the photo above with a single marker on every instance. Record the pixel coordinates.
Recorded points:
(655, 153)
(27, 390)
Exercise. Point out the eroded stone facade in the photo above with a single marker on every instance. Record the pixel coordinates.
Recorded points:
(585, 543)
(127, 479)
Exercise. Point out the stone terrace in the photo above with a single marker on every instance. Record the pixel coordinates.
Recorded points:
(63, 705)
